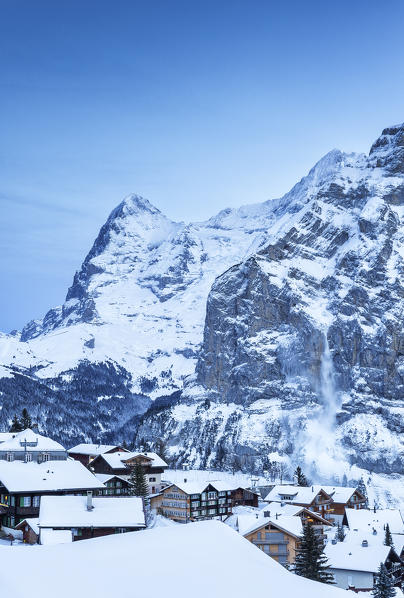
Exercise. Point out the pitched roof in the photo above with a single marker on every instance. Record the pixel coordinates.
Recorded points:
(287, 523)
(42, 443)
(115, 460)
(71, 511)
(339, 494)
(367, 519)
(299, 494)
(352, 557)
(288, 509)
(91, 449)
(105, 477)
(6, 436)
(32, 522)
(18, 476)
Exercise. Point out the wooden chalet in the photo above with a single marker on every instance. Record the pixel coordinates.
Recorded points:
(120, 464)
(278, 538)
(86, 453)
(22, 484)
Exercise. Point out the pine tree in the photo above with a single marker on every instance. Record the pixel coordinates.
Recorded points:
(161, 449)
(362, 489)
(301, 479)
(311, 561)
(383, 585)
(340, 533)
(16, 425)
(137, 479)
(388, 538)
(26, 421)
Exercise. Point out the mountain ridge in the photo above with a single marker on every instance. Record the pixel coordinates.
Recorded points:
(301, 345)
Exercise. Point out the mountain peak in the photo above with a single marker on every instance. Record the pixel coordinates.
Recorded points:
(388, 150)
(133, 205)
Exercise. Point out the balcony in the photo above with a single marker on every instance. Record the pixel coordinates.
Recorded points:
(3, 509)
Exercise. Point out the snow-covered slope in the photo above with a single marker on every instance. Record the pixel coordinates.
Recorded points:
(206, 558)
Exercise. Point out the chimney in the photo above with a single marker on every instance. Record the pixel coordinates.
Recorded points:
(365, 543)
(267, 513)
(185, 480)
(312, 488)
(89, 500)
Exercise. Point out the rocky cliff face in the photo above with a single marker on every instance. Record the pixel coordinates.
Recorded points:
(303, 347)
(281, 323)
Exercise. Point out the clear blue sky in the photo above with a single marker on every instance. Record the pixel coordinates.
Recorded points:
(197, 105)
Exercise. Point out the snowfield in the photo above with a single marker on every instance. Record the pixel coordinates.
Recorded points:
(199, 559)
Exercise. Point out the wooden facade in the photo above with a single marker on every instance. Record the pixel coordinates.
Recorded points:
(275, 542)
(24, 505)
(179, 505)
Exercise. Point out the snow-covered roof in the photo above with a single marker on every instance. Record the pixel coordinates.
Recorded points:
(71, 511)
(298, 494)
(6, 436)
(49, 476)
(50, 537)
(194, 558)
(288, 509)
(105, 477)
(355, 557)
(42, 443)
(288, 523)
(198, 486)
(91, 449)
(115, 460)
(363, 519)
(157, 460)
(32, 522)
(339, 494)
(356, 536)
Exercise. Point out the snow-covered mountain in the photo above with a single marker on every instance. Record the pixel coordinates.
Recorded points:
(281, 322)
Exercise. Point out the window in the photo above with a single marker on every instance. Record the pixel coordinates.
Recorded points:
(152, 479)
(10, 456)
(27, 457)
(45, 456)
(35, 501)
(25, 501)
(212, 494)
(258, 535)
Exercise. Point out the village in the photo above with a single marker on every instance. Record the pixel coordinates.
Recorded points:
(51, 496)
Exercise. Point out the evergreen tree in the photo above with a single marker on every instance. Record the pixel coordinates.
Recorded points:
(388, 538)
(301, 479)
(161, 450)
(362, 489)
(137, 478)
(383, 585)
(345, 480)
(26, 421)
(16, 424)
(311, 561)
(340, 533)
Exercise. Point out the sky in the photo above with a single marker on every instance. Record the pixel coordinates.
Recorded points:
(196, 105)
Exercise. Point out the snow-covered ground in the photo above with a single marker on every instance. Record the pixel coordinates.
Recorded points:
(200, 559)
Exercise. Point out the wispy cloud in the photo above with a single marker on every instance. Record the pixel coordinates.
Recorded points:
(39, 204)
